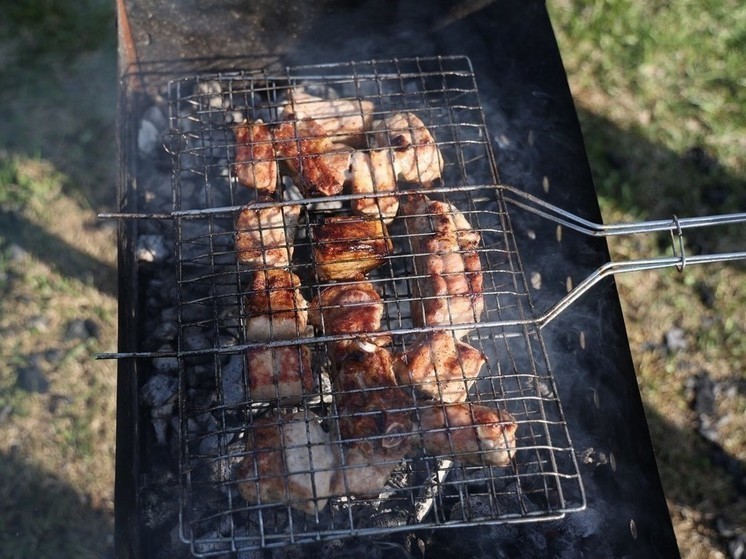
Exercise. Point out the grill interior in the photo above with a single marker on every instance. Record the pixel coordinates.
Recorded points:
(216, 409)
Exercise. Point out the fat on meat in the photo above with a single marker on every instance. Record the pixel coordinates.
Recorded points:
(343, 120)
(279, 373)
(416, 153)
(264, 234)
(275, 307)
(289, 460)
(373, 173)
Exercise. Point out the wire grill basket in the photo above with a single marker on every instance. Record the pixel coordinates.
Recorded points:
(220, 413)
(217, 411)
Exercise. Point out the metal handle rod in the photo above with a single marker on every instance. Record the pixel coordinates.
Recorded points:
(613, 268)
(675, 226)
(558, 215)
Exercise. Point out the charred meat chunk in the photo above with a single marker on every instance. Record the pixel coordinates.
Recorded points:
(255, 165)
(375, 417)
(349, 308)
(348, 247)
(275, 307)
(318, 166)
(290, 460)
(439, 366)
(264, 234)
(417, 156)
(279, 373)
(469, 433)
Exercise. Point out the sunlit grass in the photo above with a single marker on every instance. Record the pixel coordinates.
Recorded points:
(661, 98)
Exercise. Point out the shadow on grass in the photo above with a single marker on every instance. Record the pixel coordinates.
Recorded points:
(650, 181)
(43, 517)
(56, 253)
(699, 474)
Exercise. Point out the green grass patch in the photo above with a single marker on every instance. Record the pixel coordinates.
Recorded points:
(60, 28)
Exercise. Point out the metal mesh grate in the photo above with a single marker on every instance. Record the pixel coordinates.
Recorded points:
(217, 412)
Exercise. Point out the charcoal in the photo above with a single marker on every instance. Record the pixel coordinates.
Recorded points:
(166, 364)
(233, 383)
(159, 390)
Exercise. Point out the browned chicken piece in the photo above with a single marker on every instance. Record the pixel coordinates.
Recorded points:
(343, 120)
(375, 417)
(373, 173)
(354, 308)
(275, 308)
(417, 155)
(348, 247)
(279, 373)
(449, 288)
(290, 460)
(469, 433)
(319, 166)
(440, 367)
(264, 235)
(255, 166)
(425, 216)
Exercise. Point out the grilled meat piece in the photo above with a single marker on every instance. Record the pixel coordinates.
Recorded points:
(290, 460)
(425, 216)
(319, 166)
(343, 120)
(275, 307)
(264, 235)
(255, 165)
(417, 155)
(469, 433)
(348, 247)
(279, 373)
(375, 416)
(449, 287)
(353, 308)
(440, 367)
(373, 173)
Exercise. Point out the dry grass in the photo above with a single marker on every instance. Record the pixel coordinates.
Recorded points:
(57, 443)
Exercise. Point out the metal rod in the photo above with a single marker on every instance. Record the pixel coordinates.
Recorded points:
(558, 215)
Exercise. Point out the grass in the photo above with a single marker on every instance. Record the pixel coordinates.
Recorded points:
(57, 445)
(660, 92)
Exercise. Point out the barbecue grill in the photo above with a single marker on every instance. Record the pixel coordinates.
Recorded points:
(184, 368)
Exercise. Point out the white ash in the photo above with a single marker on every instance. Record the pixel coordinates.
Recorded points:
(148, 138)
(152, 248)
